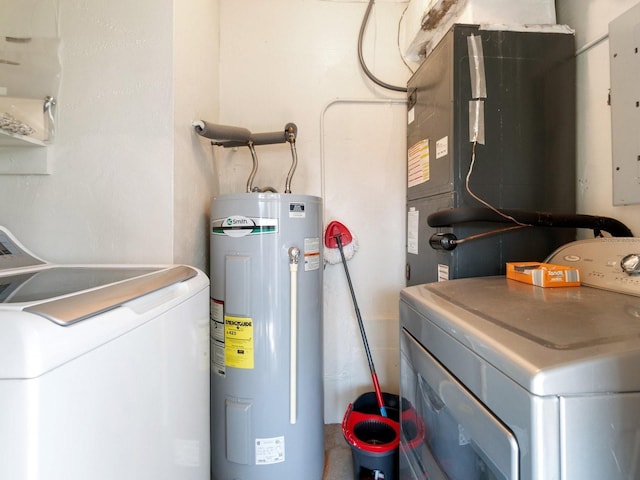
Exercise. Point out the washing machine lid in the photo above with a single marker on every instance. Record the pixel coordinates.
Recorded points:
(42, 306)
(43, 333)
(69, 294)
(37, 285)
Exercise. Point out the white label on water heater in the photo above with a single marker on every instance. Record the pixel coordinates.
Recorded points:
(217, 336)
(269, 450)
(311, 254)
(296, 210)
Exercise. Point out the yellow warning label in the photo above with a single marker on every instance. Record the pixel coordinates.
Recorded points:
(238, 342)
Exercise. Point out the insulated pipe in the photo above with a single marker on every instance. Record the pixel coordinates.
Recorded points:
(227, 136)
(294, 258)
(222, 133)
(271, 138)
(446, 218)
(268, 138)
(232, 137)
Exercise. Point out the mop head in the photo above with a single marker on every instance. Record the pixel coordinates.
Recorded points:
(334, 231)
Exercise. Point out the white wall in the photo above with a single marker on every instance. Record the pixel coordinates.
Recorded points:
(196, 91)
(590, 21)
(128, 182)
(289, 60)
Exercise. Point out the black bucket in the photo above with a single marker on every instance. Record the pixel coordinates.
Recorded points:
(374, 439)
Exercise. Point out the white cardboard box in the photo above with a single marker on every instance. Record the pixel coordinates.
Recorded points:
(427, 21)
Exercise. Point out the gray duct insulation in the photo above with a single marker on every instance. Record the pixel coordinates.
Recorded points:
(446, 218)
(222, 133)
(229, 136)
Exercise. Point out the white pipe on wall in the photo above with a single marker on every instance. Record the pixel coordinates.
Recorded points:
(338, 101)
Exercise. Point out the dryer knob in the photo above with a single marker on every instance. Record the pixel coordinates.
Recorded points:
(631, 264)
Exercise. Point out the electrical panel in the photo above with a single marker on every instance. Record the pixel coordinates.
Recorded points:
(625, 106)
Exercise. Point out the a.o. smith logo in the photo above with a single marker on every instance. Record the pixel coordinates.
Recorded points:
(238, 222)
(241, 226)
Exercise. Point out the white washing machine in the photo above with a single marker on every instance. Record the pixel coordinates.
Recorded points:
(104, 370)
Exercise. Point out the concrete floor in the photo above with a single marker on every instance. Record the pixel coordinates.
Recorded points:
(338, 463)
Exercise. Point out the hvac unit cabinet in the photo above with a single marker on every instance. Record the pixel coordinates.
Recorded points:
(525, 84)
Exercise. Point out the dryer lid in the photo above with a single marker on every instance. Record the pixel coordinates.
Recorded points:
(550, 341)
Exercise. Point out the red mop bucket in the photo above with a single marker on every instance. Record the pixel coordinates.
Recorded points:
(373, 439)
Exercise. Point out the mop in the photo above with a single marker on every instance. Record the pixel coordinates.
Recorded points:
(337, 236)
(349, 243)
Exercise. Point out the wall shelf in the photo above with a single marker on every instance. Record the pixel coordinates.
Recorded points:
(8, 139)
(27, 154)
(25, 161)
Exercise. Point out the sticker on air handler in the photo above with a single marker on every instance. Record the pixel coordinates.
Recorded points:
(238, 342)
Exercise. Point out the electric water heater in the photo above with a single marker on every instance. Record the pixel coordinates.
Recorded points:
(266, 337)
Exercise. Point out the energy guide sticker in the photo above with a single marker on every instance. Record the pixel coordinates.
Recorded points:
(238, 342)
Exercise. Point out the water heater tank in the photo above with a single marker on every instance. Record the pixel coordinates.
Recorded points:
(266, 337)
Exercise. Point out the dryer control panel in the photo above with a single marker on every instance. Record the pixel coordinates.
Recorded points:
(606, 263)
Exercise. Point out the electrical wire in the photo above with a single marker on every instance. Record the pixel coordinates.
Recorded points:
(459, 241)
(404, 60)
(363, 64)
(485, 203)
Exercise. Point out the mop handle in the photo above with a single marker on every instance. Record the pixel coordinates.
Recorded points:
(372, 368)
(376, 388)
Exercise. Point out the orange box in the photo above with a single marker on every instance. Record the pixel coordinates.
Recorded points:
(543, 274)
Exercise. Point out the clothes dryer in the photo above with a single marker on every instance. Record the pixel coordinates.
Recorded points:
(519, 382)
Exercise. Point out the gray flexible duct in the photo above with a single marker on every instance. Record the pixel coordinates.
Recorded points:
(448, 217)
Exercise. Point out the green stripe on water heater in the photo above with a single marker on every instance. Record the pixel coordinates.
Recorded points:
(240, 226)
